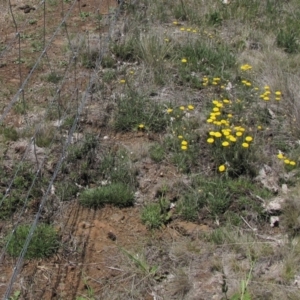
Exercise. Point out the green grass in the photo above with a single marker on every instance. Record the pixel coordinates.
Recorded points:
(44, 242)
(117, 194)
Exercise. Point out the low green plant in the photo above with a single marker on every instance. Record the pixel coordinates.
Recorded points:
(126, 50)
(157, 153)
(53, 77)
(116, 167)
(140, 262)
(117, 194)
(137, 112)
(188, 206)
(44, 241)
(9, 133)
(15, 296)
(244, 294)
(154, 215)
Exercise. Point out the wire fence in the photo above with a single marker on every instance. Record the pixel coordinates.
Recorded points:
(70, 93)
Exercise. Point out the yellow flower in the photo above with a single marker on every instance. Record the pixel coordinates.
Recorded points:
(225, 144)
(280, 156)
(229, 115)
(292, 163)
(167, 40)
(218, 134)
(266, 98)
(215, 109)
(216, 79)
(182, 29)
(259, 127)
(210, 140)
(267, 87)
(232, 138)
(226, 133)
(209, 120)
(211, 133)
(277, 98)
(287, 161)
(141, 126)
(245, 145)
(239, 133)
(278, 93)
(188, 29)
(184, 147)
(246, 67)
(222, 168)
(219, 105)
(122, 81)
(184, 60)
(175, 23)
(169, 110)
(190, 107)
(215, 102)
(182, 108)
(248, 138)
(184, 143)
(131, 72)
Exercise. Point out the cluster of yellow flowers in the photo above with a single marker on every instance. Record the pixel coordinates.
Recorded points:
(286, 160)
(226, 134)
(267, 94)
(214, 81)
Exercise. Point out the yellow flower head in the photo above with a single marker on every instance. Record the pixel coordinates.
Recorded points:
(122, 81)
(229, 115)
(184, 143)
(232, 138)
(259, 127)
(183, 147)
(169, 110)
(209, 120)
(215, 109)
(292, 163)
(248, 138)
(280, 156)
(182, 29)
(239, 133)
(218, 134)
(182, 108)
(246, 67)
(287, 161)
(278, 93)
(141, 126)
(222, 168)
(184, 60)
(210, 140)
(190, 107)
(225, 144)
(245, 145)
(211, 133)
(266, 98)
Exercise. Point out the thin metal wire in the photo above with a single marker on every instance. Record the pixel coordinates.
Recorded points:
(16, 96)
(19, 262)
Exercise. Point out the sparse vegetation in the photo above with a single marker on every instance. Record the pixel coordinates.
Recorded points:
(203, 100)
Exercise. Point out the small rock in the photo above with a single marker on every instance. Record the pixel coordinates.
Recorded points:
(274, 221)
(274, 206)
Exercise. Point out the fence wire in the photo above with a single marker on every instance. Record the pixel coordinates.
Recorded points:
(70, 77)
